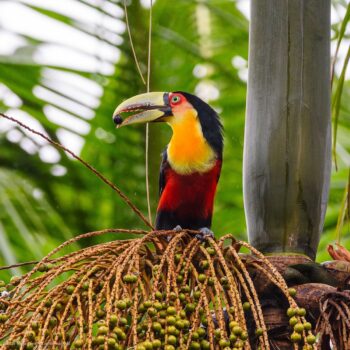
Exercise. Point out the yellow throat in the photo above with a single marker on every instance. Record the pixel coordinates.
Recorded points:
(188, 150)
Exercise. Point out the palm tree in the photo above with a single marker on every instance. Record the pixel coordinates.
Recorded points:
(73, 102)
(201, 47)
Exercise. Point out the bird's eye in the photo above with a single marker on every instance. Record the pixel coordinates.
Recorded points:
(175, 99)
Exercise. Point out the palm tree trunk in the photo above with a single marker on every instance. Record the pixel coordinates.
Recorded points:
(287, 153)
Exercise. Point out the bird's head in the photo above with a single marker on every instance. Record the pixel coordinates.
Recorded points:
(184, 112)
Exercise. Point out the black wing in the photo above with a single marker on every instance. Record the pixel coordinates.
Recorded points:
(163, 166)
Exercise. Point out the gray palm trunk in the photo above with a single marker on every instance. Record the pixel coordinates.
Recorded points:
(287, 153)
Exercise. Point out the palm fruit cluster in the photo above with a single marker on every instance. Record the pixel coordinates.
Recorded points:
(145, 293)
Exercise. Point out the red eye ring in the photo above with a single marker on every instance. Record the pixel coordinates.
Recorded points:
(175, 99)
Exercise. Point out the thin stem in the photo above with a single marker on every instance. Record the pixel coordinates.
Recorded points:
(132, 44)
(147, 125)
(147, 174)
(149, 47)
(86, 164)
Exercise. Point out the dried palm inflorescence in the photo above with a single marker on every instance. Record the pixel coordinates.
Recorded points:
(148, 293)
(334, 322)
(339, 252)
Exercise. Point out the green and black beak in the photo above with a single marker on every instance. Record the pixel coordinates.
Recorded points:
(144, 108)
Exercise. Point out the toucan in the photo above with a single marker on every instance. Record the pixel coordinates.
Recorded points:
(191, 163)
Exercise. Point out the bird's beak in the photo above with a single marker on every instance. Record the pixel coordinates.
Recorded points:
(144, 108)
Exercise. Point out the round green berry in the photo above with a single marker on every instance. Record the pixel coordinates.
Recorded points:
(211, 251)
(156, 343)
(158, 305)
(70, 289)
(186, 324)
(307, 326)
(171, 310)
(292, 292)
(293, 321)
(129, 278)
(148, 345)
(197, 294)
(204, 264)
(217, 333)
(259, 332)
(237, 330)
(244, 335)
(186, 289)
(190, 307)
(100, 313)
(223, 343)
(246, 306)
(159, 295)
(295, 337)
(34, 325)
(299, 328)
(169, 347)
(202, 277)
(103, 330)
(233, 337)
(152, 311)
(121, 304)
(205, 345)
(29, 346)
(43, 268)
(171, 320)
(291, 312)
(171, 330)
(147, 303)
(201, 332)
(78, 343)
(182, 297)
(233, 324)
(177, 258)
(172, 340)
(100, 340)
(3, 318)
(195, 345)
(180, 324)
(179, 279)
(156, 326)
(311, 339)
(195, 336)
(301, 312)
(53, 321)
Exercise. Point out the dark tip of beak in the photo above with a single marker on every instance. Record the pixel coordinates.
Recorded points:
(117, 119)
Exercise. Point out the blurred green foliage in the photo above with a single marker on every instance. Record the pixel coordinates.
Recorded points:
(199, 47)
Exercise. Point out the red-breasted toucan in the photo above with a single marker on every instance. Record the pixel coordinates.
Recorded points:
(192, 161)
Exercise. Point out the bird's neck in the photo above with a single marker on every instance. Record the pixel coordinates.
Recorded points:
(188, 150)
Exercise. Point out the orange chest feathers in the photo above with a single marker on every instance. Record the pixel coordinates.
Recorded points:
(188, 150)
